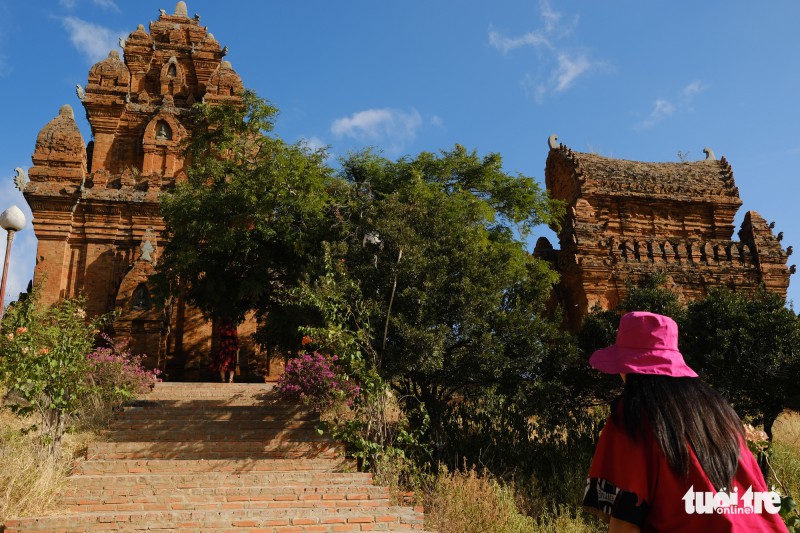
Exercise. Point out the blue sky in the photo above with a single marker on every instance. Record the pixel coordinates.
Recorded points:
(622, 78)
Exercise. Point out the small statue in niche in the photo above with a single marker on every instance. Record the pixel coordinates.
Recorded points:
(140, 301)
(172, 71)
(163, 132)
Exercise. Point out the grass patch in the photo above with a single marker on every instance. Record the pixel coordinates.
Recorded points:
(785, 460)
(31, 478)
(469, 502)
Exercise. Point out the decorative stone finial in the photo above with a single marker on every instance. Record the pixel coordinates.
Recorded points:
(122, 42)
(79, 91)
(211, 37)
(140, 27)
(709, 154)
(113, 54)
(66, 111)
(227, 64)
(180, 10)
(21, 179)
(552, 141)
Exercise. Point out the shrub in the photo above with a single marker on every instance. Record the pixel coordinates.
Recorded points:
(316, 380)
(116, 375)
(44, 364)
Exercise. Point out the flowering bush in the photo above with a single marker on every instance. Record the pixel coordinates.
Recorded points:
(317, 380)
(116, 374)
(43, 362)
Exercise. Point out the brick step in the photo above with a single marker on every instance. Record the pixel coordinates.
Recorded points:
(202, 480)
(197, 390)
(216, 431)
(276, 449)
(194, 388)
(207, 403)
(244, 412)
(223, 493)
(222, 498)
(178, 466)
(274, 520)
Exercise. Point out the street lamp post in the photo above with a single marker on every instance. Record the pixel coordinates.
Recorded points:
(12, 220)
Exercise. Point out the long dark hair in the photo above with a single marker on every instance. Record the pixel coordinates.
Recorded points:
(683, 412)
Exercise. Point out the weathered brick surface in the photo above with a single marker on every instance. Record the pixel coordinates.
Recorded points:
(95, 206)
(276, 478)
(626, 219)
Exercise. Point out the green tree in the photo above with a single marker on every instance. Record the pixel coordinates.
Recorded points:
(456, 302)
(748, 347)
(251, 212)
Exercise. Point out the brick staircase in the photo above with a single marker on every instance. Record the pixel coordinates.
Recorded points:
(219, 457)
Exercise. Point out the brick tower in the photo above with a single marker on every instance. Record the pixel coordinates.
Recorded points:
(95, 206)
(626, 219)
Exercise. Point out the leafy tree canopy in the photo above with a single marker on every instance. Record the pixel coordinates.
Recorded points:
(748, 347)
(456, 301)
(252, 209)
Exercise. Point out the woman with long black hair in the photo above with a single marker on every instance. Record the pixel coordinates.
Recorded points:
(672, 455)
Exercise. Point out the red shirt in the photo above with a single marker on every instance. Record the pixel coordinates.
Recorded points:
(632, 481)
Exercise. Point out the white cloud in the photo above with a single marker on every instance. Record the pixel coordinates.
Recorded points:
(661, 110)
(105, 4)
(664, 108)
(550, 16)
(437, 121)
(694, 88)
(560, 66)
(95, 42)
(380, 125)
(569, 68)
(504, 44)
(534, 89)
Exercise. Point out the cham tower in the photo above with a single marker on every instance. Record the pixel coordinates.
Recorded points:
(627, 219)
(95, 205)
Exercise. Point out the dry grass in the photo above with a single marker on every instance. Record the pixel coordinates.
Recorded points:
(785, 460)
(787, 430)
(472, 503)
(30, 479)
(477, 503)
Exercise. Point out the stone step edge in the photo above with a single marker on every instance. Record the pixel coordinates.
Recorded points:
(341, 516)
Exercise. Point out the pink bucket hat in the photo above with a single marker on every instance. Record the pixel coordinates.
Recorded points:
(647, 343)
